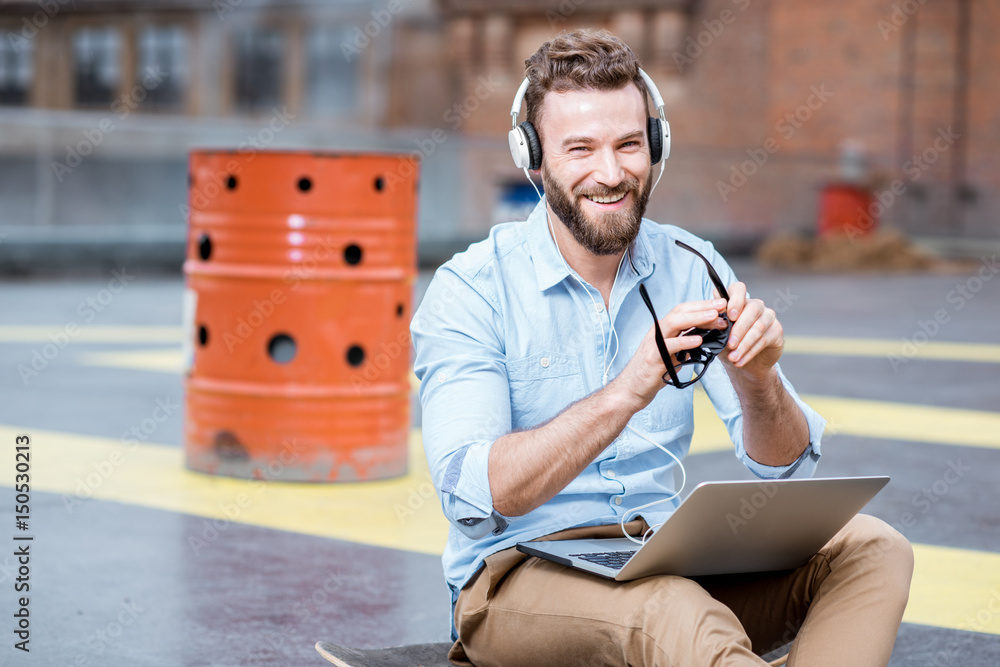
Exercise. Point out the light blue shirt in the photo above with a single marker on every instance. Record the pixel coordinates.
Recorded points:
(506, 339)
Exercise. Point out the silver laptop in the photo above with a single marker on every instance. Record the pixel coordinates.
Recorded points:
(726, 528)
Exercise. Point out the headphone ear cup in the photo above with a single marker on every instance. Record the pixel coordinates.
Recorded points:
(534, 145)
(654, 131)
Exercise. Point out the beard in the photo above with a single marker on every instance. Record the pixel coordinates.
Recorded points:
(610, 233)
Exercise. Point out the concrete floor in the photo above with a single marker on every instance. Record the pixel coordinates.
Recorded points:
(124, 578)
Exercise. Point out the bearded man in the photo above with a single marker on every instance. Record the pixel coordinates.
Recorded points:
(545, 410)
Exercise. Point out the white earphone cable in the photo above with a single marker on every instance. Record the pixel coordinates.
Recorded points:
(614, 334)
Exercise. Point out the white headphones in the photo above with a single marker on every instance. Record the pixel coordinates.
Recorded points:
(526, 149)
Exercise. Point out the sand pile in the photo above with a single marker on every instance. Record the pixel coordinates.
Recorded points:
(882, 251)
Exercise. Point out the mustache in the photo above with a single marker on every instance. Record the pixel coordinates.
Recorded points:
(629, 184)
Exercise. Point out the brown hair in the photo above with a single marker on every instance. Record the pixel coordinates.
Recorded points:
(584, 59)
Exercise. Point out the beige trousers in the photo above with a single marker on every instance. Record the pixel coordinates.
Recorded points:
(842, 608)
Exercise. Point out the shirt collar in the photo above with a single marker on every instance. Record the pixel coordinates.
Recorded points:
(551, 269)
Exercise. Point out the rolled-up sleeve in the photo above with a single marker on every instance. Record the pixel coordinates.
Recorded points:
(464, 395)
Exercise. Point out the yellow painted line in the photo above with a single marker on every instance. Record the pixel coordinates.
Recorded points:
(903, 421)
(955, 588)
(90, 334)
(952, 588)
(402, 513)
(900, 349)
(161, 360)
(868, 419)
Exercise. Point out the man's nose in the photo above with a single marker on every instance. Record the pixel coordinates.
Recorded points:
(608, 169)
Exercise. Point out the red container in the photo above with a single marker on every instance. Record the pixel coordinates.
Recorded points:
(846, 210)
(300, 275)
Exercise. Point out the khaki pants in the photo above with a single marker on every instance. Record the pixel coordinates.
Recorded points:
(842, 608)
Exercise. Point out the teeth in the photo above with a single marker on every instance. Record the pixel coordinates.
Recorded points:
(606, 200)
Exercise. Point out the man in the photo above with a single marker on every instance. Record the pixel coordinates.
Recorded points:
(543, 397)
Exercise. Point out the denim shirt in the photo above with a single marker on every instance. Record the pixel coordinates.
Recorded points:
(506, 339)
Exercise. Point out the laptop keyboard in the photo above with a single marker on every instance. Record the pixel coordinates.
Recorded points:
(613, 559)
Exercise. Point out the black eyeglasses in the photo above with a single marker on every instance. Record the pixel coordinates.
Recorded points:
(713, 340)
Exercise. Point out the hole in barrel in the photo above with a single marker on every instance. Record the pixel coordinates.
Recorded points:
(203, 335)
(231, 182)
(400, 310)
(305, 184)
(281, 348)
(379, 183)
(352, 254)
(355, 355)
(204, 246)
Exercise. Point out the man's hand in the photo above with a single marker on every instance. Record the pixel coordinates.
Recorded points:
(756, 339)
(642, 378)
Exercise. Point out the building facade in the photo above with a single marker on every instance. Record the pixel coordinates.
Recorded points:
(100, 100)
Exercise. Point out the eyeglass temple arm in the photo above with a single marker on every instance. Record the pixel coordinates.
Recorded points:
(711, 271)
(658, 336)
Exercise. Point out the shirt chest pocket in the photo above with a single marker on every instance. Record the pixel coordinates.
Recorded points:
(672, 410)
(541, 386)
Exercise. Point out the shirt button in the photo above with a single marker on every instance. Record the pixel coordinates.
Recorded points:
(618, 500)
(611, 474)
(442, 376)
(544, 362)
(599, 306)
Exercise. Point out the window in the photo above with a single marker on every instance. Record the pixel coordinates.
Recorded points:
(259, 54)
(15, 68)
(331, 81)
(97, 66)
(163, 67)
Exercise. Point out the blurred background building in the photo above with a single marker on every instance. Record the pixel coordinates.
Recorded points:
(769, 101)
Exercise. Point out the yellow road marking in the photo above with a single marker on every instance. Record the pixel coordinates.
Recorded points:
(952, 588)
(955, 588)
(868, 419)
(402, 513)
(881, 347)
(86, 333)
(161, 360)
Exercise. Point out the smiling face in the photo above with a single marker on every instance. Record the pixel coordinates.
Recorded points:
(595, 164)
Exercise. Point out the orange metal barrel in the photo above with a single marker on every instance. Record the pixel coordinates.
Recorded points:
(300, 270)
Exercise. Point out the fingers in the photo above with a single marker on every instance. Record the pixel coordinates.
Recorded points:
(737, 300)
(684, 316)
(756, 330)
